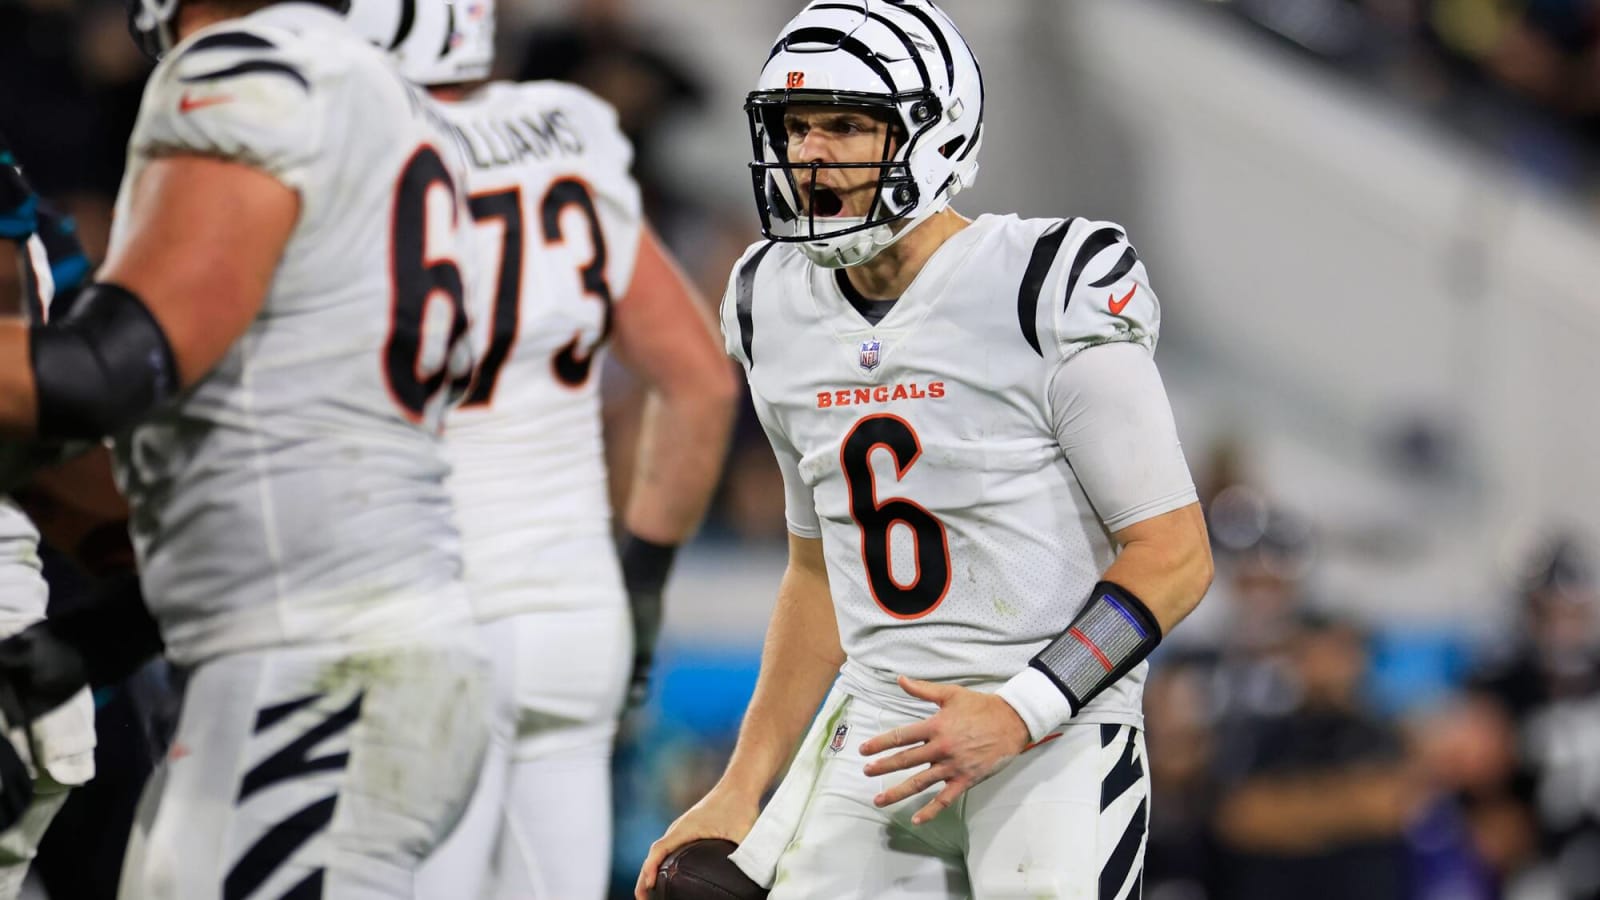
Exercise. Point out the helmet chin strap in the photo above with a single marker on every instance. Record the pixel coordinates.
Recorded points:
(863, 246)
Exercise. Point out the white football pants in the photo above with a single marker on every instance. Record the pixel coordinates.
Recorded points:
(1067, 818)
(539, 827)
(314, 772)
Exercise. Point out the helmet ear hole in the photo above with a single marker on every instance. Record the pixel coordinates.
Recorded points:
(951, 147)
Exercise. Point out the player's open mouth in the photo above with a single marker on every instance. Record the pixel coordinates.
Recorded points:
(825, 203)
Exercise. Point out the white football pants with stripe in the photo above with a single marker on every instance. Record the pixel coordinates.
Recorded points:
(1067, 818)
(313, 772)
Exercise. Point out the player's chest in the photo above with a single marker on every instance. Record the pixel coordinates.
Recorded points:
(928, 398)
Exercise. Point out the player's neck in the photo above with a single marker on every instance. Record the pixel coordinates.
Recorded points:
(194, 16)
(887, 275)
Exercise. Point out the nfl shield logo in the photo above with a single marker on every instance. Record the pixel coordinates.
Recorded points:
(838, 738)
(869, 354)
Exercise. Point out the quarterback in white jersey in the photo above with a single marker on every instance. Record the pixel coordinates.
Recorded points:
(992, 523)
(572, 266)
(272, 342)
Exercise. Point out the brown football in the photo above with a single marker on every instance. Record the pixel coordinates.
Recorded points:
(700, 870)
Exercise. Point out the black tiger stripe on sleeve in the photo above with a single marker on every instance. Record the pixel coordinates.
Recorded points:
(1096, 243)
(230, 40)
(1044, 256)
(744, 298)
(249, 67)
(1130, 258)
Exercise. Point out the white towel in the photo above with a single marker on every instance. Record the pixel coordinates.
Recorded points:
(778, 823)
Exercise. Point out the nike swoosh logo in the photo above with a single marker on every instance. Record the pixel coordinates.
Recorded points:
(187, 104)
(1116, 305)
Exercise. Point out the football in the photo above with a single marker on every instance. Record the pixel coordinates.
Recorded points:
(700, 870)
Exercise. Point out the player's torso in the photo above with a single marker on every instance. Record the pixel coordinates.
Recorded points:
(956, 537)
(299, 487)
(557, 222)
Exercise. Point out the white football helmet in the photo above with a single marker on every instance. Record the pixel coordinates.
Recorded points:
(154, 23)
(899, 59)
(432, 41)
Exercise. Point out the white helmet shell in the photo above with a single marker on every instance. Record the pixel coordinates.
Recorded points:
(905, 60)
(433, 41)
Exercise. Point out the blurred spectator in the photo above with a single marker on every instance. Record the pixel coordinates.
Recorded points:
(1546, 683)
(1180, 855)
(1316, 802)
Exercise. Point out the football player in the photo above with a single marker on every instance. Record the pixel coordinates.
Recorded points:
(573, 266)
(992, 523)
(57, 747)
(272, 341)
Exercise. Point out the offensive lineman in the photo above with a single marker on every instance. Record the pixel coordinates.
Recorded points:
(272, 342)
(573, 264)
(991, 520)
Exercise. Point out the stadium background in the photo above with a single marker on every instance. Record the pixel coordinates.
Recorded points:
(1375, 229)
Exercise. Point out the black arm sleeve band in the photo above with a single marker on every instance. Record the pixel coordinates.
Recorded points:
(101, 368)
(1114, 632)
(645, 564)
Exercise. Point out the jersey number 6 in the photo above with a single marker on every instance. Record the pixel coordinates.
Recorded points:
(418, 280)
(877, 519)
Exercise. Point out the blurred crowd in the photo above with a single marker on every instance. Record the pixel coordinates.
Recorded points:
(1297, 751)
(1520, 76)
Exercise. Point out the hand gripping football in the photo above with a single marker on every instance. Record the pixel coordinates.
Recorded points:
(700, 870)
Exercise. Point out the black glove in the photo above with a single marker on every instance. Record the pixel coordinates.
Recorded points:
(16, 785)
(645, 566)
(100, 643)
(19, 206)
(69, 265)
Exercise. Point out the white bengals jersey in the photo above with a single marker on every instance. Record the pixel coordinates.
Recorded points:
(296, 493)
(921, 450)
(558, 220)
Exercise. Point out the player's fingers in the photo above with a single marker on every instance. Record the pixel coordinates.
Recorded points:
(925, 690)
(952, 790)
(652, 863)
(899, 736)
(911, 787)
(906, 759)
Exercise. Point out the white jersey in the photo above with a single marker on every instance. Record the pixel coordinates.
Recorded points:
(922, 450)
(296, 493)
(558, 220)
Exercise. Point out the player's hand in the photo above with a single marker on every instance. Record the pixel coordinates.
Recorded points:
(645, 606)
(972, 736)
(69, 265)
(722, 813)
(38, 672)
(18, 204)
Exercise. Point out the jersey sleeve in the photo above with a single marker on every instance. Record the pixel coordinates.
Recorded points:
(738, 304)
(236, 96)
(1111, 415)
(1102, 292)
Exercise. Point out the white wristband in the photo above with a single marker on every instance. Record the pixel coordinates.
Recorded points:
(1037, 700)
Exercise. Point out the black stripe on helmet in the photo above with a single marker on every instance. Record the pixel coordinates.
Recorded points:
(449, 29)
(938, 38)
(905, 39)
(838, 41)
(408, 18)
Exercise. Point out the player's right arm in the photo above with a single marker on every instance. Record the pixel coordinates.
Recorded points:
(229, 138)
(799, 660)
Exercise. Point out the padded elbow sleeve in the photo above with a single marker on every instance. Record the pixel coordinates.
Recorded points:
(102, 368)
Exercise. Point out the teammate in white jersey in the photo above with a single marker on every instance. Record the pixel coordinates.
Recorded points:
(573, 266)
(991, 520)
(272, 342)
